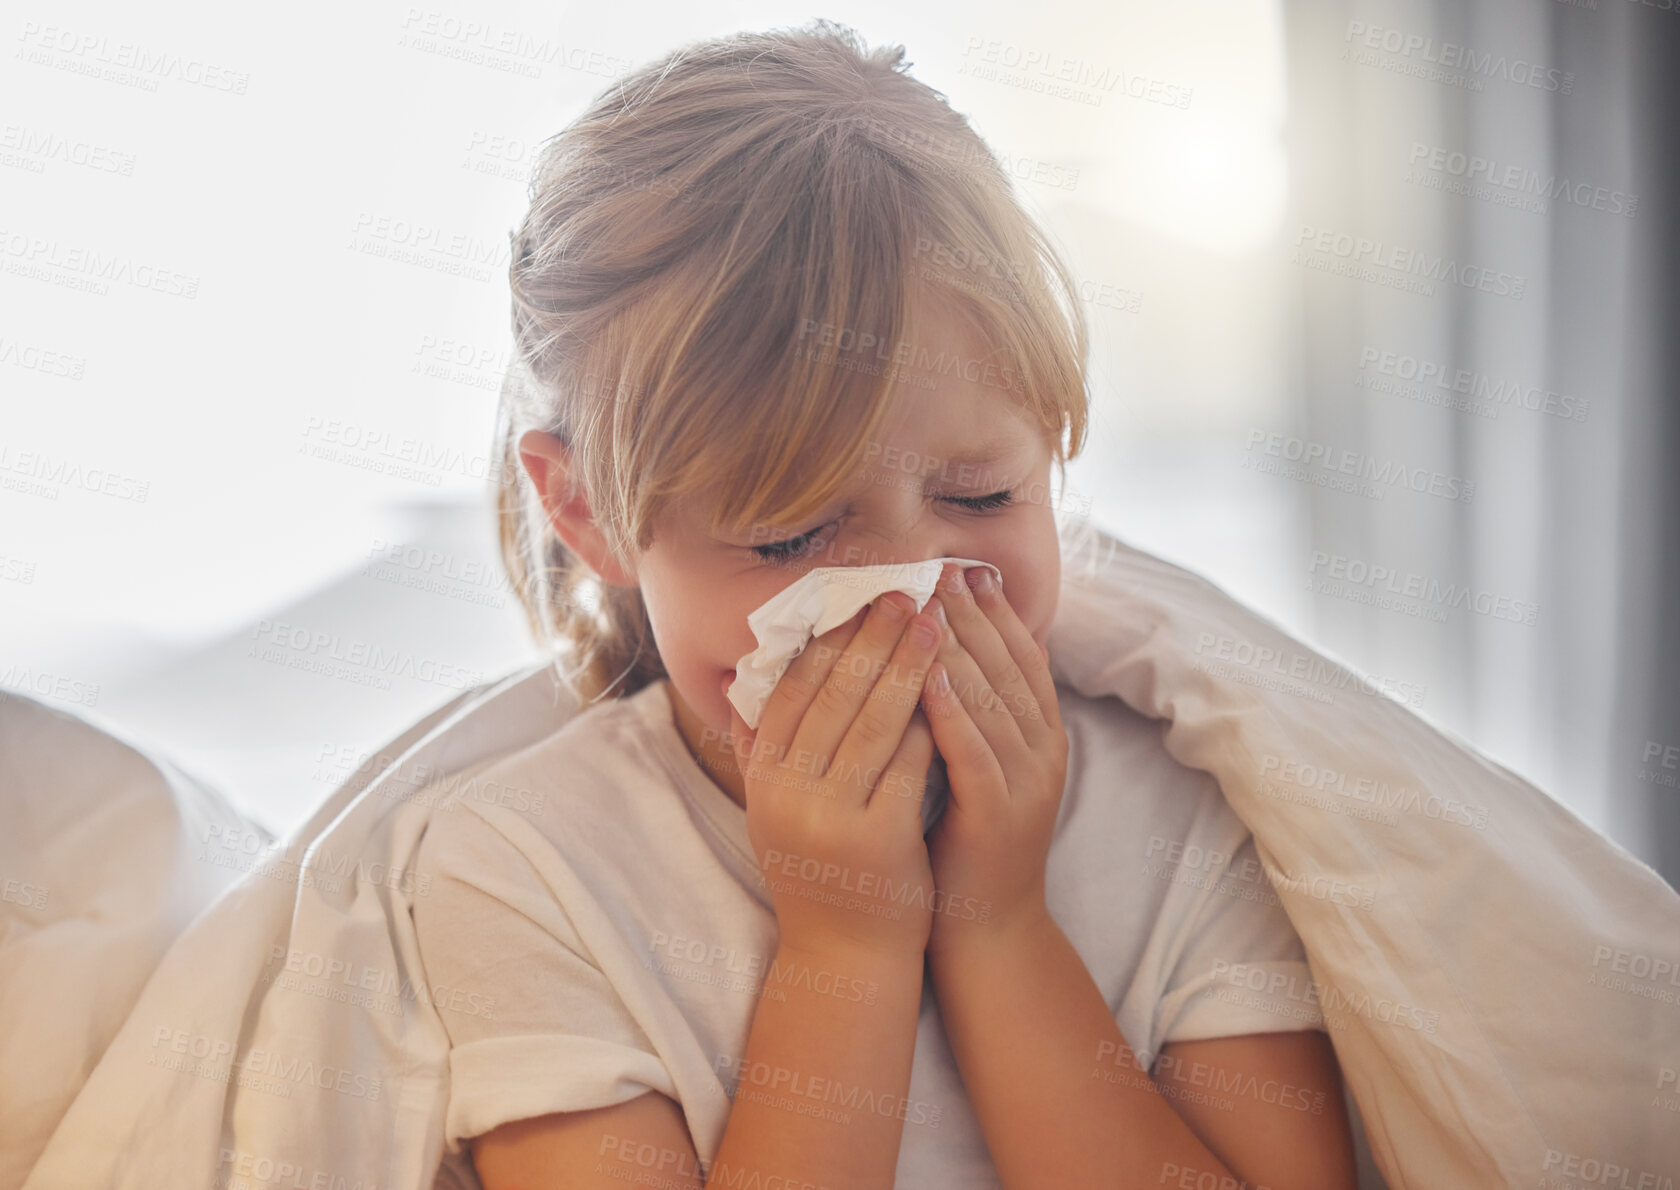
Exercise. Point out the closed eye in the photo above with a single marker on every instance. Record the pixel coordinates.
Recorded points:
(794, 548)
(984, 503)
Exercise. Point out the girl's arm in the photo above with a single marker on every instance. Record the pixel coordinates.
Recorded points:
(822, 1051)
(1059, 1095)
(865, 1043)
(1063, 1101)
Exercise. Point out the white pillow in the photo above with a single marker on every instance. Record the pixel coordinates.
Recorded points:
(97, 879)
(264, 1049)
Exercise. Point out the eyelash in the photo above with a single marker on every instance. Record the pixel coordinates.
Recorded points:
(779, 552)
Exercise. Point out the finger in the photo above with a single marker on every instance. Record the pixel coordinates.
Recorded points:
(740, 738)
(879, 724)
(897, 797)
(970, 759)
(797, 688)
(850, 684)
(1012, 662)
(969, 647)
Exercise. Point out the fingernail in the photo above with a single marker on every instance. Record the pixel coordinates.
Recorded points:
(980, 580)
(900, 608)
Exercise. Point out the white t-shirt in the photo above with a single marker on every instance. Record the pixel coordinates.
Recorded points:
(601, 928)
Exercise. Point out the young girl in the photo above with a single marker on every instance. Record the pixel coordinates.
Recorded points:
(776, 308)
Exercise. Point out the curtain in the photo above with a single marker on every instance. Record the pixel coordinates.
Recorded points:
(1481, 266)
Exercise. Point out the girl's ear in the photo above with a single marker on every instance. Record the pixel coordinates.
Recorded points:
(548, 461)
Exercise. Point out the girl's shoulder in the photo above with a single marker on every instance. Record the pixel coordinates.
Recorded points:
(593, 746)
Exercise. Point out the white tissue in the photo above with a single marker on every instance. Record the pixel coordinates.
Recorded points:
(819, 602)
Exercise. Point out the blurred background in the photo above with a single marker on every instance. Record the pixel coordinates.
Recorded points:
(1384, 336)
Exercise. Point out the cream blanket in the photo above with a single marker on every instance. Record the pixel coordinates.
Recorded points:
(1506, 1008)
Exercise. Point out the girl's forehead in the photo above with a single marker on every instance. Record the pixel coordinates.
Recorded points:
(965, 413)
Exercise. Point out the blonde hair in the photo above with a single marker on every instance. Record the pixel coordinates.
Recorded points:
(685, 234)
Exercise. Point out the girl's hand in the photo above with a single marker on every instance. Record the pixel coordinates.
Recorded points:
(1000, 731)
(834, 780)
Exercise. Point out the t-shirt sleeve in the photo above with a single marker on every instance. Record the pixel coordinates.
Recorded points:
(534, 1026)
(1243, 968)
